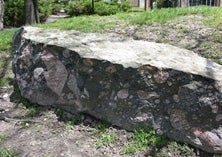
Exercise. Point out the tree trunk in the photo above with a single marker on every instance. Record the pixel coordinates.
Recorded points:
(1, 13)
(31, 12)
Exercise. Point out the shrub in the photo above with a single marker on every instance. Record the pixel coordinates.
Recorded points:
(166, 3)
(76, 8)
(56, 7)
(102, 8)
(45, 9)
(125, 6)
(14, 13)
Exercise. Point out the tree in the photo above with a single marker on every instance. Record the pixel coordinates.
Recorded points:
(31, 12)
(1, 13)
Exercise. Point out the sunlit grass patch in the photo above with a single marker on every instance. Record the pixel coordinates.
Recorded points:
(6, 39)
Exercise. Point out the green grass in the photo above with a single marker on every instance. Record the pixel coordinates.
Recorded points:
(175, 149)
(74, 120)
(94, 23)
(82, 23)
(105, 135)
(4, 81)
(3, 137)
(7, 152)
(106, 139)
(102, 126)
(164, 15)
(6, 39)
(141, 139)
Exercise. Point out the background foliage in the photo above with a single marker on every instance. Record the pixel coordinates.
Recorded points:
(101, 7)
(14, 11)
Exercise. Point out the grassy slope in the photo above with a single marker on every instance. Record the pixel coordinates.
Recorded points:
(97, 23)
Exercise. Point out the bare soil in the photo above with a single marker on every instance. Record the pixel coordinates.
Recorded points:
(47, 132)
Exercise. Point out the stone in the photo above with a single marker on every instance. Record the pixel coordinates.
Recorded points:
(129, 83)
(1, 14)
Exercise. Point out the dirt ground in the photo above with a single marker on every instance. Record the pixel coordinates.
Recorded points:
(46, 132)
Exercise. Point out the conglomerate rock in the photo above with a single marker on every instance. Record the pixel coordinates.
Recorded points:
(131, 84)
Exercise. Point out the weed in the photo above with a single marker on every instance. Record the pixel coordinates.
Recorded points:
(76, 119)
(33, 111)
(3, 137)
(2, 64)
(106, 139)
(129, 149)
(177, 150)
(4, 81)
(217, 37)
(59, 112)
(7, 152)
(141, 139)
(188, 47)
(102, 126)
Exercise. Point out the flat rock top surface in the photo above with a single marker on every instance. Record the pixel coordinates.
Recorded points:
(127, 52)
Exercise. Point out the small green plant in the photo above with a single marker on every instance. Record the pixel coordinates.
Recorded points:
(3, 137)
(76, 119)
(102, 126)
(106, 139)
(4, 81)
(33, 110)
(7, 152)
(180, 148)
(129, 149)
(142, 139)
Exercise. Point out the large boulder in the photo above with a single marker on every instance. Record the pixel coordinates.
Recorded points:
(131, 84)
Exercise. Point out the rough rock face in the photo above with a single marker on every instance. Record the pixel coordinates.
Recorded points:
(1, 13)
(132, 84)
